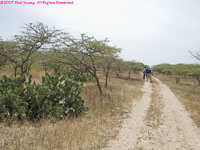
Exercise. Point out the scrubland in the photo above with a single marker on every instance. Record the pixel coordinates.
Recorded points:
(90, 131)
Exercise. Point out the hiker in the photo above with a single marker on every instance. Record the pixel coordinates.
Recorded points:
(144, 73)
(149, 74)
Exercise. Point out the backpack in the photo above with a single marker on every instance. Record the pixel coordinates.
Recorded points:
(148, 71)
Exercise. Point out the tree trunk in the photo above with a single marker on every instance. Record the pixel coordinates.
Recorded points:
(118, 72)
(106, 84)
(22, 70)
(15, 71)
(98, 84)
(129, 74)
(177, 78)
(198, 78)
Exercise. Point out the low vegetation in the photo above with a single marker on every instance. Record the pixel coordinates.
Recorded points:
(89, 131)
(55, 97)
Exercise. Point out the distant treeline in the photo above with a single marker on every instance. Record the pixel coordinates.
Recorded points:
(179, 70)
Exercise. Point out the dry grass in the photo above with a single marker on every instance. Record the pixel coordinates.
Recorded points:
(154, 113)
(9, 73)
(6, 71)
(88, 132)
(188, 92)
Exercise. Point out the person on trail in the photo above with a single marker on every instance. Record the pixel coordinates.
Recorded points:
(149, 74)
(144, 73)
(147, 70)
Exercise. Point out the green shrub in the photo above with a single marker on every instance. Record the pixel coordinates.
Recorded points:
(55, 97)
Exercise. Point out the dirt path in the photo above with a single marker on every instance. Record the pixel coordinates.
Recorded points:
(157, 122)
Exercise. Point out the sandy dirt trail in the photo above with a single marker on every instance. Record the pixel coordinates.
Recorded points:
(171, 129)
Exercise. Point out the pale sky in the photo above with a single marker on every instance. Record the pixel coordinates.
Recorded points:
(149, 31)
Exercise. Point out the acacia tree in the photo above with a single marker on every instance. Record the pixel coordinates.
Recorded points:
(137, 67)
(164, 69)
(34, 37)
(118, 65)
(46, 59)
(107, 61)
(195, 72)
(83, 53)
(129, 67)
(7, 54)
